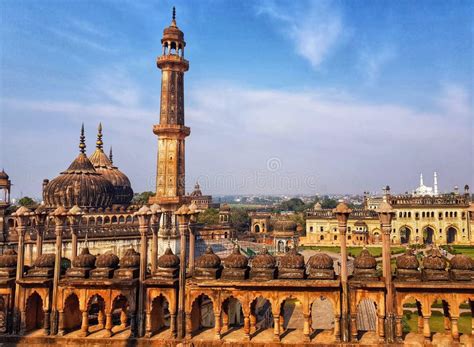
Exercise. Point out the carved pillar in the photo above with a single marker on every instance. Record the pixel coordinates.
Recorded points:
(133, 324)
(144, 215)
(380, 327)
(253, 323)
(22, 217)
(225, 316)
(353, 328)
(399, 330)
(173, 325)
(123, 319)
(426, 328)
(276, 328)
(342, 212)
(61, 324)
(40, 218)
(217, 316)
(337, 328)
(192, 241)
(386, 213)
(148, 331)
(22, 323)
(85, 324)
(189, 326)
(60, 216)
(246, 327)
(46, 325)
(74, 217)
(108, 324)
(155, 226)
(454, 328)
(306, 326)
(420, 323)
(101, 320)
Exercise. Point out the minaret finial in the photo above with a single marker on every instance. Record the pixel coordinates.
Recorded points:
(82, 142)
(110, 156)
(173, 20)
(99, 142)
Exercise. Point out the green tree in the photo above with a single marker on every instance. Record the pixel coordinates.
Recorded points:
(328, 203)
(209, 216)
(293, 204)
(240, 219)
(26, 201)
(142, 198)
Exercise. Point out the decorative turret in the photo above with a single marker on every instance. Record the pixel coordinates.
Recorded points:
(105, 265)
(129, 265)
(365, 266)
(407, 267)
(263, 266)
(43, 266)
(82, 264)
(291, 265)
(321, 266)
(8, 261)
(462, 268)
(434, 266)
(235, 265)
(208, 265)
(168, 265)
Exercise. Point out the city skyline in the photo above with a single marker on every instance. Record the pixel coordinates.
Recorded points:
(281, 98)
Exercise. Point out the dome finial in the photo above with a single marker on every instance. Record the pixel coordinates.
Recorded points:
(99, 142)
(82, 138)
(111, 156)
(173, 21)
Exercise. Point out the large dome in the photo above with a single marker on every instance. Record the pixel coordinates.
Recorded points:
(79, 185)
(123, 192)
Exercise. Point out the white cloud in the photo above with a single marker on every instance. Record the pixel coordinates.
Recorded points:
(314, 27)
(371, 61)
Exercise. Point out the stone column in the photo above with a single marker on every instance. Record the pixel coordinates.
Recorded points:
(399, 329)
(342, 212)
(454, 328)
(253, 323)
(218, 322)
(380, 327)
(426, 328)
(22, 217)
(189, 326)
(246, 327)
(143, 215)
(40, 218)
(306, 328)
(173, 325)
(61, 324)
(60, 215)
(155, 226)
(108, 324)
(47, 322)
(386, 213)
(101, 319)
(192, 241)
(148, 331)
(75, 214)
(353, 328)
(276, 328)
(85, 324)
(337, 328)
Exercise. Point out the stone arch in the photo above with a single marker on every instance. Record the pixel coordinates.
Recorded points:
(452, 234)
(261, 314)
(159, 314)
(120, 311)
(406, 234)
(106, 220)
(96, 308)
(411, 314)
(129, 219)
(202, 313)
(439, 311)
(466, 316)
(366, 316)
(34, 313)
(428, 232)
(71, 313)
(121, 220)
(323, 315)
(232, 314)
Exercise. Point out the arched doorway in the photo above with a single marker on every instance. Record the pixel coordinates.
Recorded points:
(405, 234)
(451, 235)
(261, 317)
(160, 315)
(120, 308)
(428, 235)
(72, 316)
(366, 319)
(34, 312)
(232, 315)
(412, 319)
(96, 313)
(322, 320)
(376, 238)
(256, 228)
(202, 314)
(280, 246)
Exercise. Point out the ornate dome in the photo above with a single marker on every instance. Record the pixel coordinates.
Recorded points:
(45, 260)
(365, 260)
(264, 260)
(123, 192)
(284, 225)
(172, 33)
(168, 260)
(79, 185)
(292, 260)
(236, 260)
(208, 260)
(434, 260)
(85, 259)
(131, 258)
(8, 258)
(321, 261)
(197, 190)
(107, 260)
(408, 261)
(462, 262)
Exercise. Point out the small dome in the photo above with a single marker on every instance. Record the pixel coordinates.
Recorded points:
(107, 260)
(45, 260)
(172, 33)
(292, 260)
(168, 260)
(317, 206)
(85, 259)
(197, 191)
(3, 175)
(462, 262)
(236, 260)
(79, 185)
(264, 260)
(208, 260)
(285, 225)
(365, 260)
(131, 258)
(321, 261)
(8, 258)
(434, 260)
(407, 261)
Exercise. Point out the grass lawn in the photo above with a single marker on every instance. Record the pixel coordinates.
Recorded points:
(467, 250)
(410, 322)
(355, 251)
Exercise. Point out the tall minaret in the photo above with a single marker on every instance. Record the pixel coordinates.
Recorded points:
(435, 183)
(421, 180)
(171, 131)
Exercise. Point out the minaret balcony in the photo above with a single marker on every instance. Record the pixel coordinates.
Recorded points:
(168, 60)
(171, 130)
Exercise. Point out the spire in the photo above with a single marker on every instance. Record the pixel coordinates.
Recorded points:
(421, 180)
(110, 155)
(99, 142)
(82, 143)
(173, 20)
(435, 183)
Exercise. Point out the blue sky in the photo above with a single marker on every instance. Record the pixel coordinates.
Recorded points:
(282, 97)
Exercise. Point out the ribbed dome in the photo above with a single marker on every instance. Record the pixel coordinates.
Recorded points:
(208, 260)
(172, 33)
(45, 260)
(408, 261)
(434, 260)
(8, 258)
(168, 260)
(85, 259)
(462, 262)
(131, 258)
(365, 260)
(107, 260)
(292, 260)
(123, 192)
(321, 261)
(79, 185)
(236, 260)
(264, 260)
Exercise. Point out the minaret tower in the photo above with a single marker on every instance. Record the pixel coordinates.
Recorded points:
(171, 132)
(435, 183)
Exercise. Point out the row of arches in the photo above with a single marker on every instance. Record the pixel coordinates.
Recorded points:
(428, 235)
